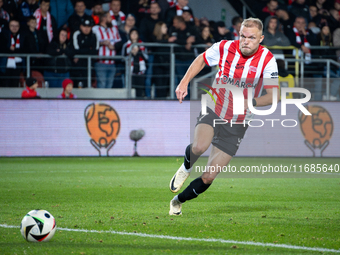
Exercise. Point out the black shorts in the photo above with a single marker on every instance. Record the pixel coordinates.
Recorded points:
(226, 137)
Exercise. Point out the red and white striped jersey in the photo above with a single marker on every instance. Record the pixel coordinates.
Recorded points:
(103, 34)
(258, 71)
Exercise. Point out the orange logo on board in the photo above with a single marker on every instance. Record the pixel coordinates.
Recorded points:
(103, 126)
(316, 128)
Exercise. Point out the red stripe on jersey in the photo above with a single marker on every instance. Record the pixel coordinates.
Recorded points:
(101, 33)
(218, 107)
(229, 113)
(221, 52)
(237, 76)
(205, 59)
(268, 57)
(252, 73)
(229, 59)
(226, 70)
(221, 93)
(250, 79)
(221, 57)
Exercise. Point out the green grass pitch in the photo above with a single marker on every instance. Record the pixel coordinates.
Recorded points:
(131, 195)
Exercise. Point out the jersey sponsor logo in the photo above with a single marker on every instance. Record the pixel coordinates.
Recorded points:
(237, 82)
(239, 66)
(274, 75)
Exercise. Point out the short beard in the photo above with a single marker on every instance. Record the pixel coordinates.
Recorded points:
(248, 54)
(109, 24)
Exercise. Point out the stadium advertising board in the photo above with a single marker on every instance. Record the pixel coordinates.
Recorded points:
(103, 128)
(91, 128)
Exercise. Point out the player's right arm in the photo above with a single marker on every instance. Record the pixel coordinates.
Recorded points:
(211, 57)
(196, 66)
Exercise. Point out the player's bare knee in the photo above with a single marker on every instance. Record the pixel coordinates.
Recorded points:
(198, 148)
(207, 180)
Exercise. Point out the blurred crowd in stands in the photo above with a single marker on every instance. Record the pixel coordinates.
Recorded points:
(302, 24)
(109, 28)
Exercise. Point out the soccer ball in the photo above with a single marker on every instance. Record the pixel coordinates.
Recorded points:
(38, 226)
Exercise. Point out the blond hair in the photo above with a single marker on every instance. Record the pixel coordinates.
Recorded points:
(253, 22)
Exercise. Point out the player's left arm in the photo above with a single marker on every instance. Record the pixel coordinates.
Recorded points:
(267, 99)
(270, 84)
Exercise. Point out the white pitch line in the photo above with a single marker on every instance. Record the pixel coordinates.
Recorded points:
(211, 240)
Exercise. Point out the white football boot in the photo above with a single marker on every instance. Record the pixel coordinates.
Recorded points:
(179, 178)
(175, 206)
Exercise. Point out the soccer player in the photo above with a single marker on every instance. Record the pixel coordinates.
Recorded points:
(240, 62)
